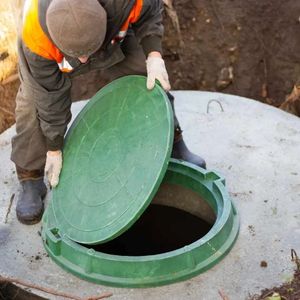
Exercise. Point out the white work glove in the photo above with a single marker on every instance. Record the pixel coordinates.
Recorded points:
(53, 167)
(156, 69)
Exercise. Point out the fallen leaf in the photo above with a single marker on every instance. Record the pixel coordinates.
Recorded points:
(275, 296)
(292, 102)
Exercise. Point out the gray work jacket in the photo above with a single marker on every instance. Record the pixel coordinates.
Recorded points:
(49, 87)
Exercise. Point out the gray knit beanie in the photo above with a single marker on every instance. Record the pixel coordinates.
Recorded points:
(77, 27)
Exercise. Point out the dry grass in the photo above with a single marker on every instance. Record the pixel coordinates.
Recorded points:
(8, 41)
(10, 12)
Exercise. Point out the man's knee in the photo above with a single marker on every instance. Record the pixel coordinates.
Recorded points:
(28, 145)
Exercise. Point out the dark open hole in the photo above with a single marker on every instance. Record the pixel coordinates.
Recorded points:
(160, 229)
(9, 291)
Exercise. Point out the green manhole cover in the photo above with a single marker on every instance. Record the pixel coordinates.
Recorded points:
(115, 157)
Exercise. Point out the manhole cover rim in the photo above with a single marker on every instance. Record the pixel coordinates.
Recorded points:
(218, 243)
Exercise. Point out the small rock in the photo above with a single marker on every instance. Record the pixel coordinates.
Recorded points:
(263, 264)
(225, 78)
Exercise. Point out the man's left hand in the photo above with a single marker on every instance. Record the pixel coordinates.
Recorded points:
(53, 167)
(156, 69)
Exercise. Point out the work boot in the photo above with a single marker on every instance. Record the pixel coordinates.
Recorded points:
(181, 151)
(30, 206)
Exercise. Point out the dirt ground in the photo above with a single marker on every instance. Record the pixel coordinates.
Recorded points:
(287, 291)
(7, 104)
(248, 48)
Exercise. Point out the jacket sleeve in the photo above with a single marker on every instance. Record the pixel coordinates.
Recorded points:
(149, 28)
(51, 92)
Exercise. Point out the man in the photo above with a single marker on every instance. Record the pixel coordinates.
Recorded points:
(59, 40)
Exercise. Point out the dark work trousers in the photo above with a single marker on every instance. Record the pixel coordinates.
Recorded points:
(29, 144)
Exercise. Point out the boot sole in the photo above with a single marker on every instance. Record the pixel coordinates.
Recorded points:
(36, 219)
(31, 221)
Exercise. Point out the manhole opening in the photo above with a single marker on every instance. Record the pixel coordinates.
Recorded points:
(160, 229)
(176, 217)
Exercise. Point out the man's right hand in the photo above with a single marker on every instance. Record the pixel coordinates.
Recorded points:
(156, 69)
(53, 167)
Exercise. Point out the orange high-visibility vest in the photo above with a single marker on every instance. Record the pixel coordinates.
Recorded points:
(38, 42)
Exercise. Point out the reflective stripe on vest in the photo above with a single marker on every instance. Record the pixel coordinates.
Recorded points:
(65, 66)
(133, 17)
